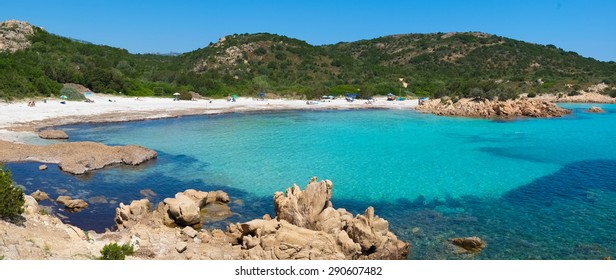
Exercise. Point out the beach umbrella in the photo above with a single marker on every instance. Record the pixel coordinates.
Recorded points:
(234, 96)
(63, 97)
(176, 94)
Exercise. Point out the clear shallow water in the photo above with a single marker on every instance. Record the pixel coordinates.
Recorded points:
(538, 189)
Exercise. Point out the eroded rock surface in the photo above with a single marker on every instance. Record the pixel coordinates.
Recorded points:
(76, 157)
(15, 35)
(306, 226)
(40, 195)
(484, 108)
(74, 205)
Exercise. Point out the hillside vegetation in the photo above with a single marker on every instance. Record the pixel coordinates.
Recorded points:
(454, 64)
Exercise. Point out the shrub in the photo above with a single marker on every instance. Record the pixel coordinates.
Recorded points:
(609, 91)
(573, 93)
(260, 51)
(531, 95)
(11, 197)
(113, 251)
(185, 96)
(71, 93)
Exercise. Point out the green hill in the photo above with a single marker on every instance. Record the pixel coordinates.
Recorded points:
(34, 62)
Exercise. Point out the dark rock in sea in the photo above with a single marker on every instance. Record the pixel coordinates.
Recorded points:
(97, 200)
(148, 193)
(215, 211)
(470, 244)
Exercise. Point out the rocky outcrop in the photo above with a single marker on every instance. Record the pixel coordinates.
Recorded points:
(14, 35)
(326, 233)
(129, 215)
(74, 205)
(595, 109)
(308, 227)
(185, 209)
(53, 134)
(182, 210)
(484, 108)
(76, 157)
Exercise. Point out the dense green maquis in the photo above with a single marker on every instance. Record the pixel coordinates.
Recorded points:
(455, 64)
(11, 197)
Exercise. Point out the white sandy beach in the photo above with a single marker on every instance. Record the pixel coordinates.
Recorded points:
(18, 121)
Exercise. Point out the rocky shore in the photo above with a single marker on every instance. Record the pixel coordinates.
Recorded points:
(305, 226)
(484, 108)
(76, 157)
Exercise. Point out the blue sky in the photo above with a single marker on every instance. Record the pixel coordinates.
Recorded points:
(586, 27)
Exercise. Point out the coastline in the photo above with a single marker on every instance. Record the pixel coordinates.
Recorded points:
(19, 122)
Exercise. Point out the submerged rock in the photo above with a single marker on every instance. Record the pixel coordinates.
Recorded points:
(148, 193)
(472, 244)
(97, 200)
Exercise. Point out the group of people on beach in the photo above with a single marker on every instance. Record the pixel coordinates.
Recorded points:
(31, 103)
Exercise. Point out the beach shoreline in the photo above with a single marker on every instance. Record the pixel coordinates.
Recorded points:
(19, 122)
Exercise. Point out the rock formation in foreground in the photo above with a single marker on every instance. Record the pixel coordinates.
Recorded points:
(76, 157)
(305, 227)
(484, 108)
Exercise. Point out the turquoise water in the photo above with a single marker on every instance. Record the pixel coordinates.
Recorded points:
(532, 188)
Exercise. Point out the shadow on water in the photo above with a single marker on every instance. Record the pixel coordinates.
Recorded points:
(96, 186)
(513, 153)
(565, 215)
